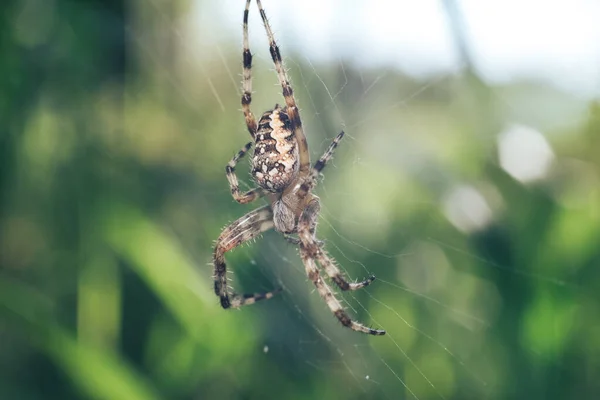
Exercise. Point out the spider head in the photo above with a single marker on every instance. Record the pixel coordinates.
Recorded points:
(283, 217)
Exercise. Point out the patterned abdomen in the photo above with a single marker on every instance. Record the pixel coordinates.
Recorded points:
(275, 162)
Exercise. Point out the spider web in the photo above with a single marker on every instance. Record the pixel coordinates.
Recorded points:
(438, 299)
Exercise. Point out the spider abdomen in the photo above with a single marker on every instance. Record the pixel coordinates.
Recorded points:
(275, 162)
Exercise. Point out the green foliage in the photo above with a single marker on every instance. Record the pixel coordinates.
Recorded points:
(113, 145)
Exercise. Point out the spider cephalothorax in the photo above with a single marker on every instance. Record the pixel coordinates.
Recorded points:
(281, 168)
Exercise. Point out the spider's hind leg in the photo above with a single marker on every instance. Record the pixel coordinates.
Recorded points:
(288, 94)
(242, 230)
(247, 82)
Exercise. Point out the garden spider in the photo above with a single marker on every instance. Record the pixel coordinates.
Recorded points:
(281, 168)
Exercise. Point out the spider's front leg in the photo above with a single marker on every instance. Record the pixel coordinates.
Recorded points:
(294, 240)
(242, 230)
(249, 196)
(327, 262)
(322, 257)
(309, 251)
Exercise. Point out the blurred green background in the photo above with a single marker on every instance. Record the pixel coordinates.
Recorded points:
(477, 207)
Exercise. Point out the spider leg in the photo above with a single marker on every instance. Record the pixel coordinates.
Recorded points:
(309, 249)
(294, 240)
(240, 231)
(247, 82)
(336, 275)
(288, 94)
(311, 182)
(325, 260)
(320, 164)
(250, 195)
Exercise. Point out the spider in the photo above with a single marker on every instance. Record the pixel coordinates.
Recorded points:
(281, 168)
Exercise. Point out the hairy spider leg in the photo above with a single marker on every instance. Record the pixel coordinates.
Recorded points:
(240, 231)
(311, 181)
(320, 164)
(250, 195)
(333, 271)
(247, 77)
(309, 248)
(294, 240)
(288, 94)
